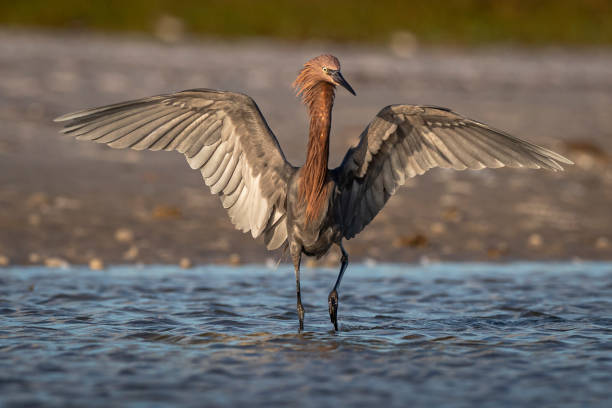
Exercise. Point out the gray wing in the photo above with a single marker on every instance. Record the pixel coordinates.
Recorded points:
(222, 134)
(405, 140)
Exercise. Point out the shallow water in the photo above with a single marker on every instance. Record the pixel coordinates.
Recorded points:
(450, 334)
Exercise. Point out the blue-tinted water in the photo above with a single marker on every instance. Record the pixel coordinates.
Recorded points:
(454, 334)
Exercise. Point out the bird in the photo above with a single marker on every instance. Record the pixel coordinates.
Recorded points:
(311, 208)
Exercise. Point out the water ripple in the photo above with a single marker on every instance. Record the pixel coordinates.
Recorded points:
(454, 334)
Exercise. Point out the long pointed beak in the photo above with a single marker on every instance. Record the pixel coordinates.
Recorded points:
(339, 80)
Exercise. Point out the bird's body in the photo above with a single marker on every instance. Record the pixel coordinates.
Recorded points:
(315, 236)
(224, 135)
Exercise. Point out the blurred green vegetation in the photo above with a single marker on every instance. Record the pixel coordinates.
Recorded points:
(461, 22)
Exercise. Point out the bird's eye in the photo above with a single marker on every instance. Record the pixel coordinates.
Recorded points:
(325, 69)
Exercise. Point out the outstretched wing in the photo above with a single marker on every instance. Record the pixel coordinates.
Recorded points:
(222, 134)
(405, 140)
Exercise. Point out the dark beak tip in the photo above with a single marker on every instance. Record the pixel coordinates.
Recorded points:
(339, 79)
(350, 89)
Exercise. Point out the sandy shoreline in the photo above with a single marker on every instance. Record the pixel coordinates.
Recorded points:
(68, 201)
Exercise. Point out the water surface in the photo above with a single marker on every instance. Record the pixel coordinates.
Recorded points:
(451, 334)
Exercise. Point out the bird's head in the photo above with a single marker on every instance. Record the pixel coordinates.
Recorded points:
(322, 69)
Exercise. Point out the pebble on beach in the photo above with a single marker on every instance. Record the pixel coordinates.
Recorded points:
(131, 253)
(166, 212)
(438, 228)
(54, 262)
(234, 259)
(96, 264)
(124, 235)
(185, 263)
(602, 243)
(534, 240)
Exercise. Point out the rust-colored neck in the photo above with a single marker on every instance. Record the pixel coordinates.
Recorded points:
(314, 174)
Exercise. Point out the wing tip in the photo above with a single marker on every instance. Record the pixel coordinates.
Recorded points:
(72, 115)
(555, 159)
(63, 118)
(556, 156)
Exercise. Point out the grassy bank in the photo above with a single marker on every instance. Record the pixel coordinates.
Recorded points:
(463, 22)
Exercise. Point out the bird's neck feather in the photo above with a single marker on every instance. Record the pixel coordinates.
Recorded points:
(313, 184)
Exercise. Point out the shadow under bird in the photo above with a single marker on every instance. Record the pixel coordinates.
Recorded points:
(225, 137)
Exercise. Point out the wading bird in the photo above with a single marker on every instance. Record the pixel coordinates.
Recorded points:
(226, 138)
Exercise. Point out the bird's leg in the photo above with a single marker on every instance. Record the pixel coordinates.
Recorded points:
(297, 257)
(332, 299)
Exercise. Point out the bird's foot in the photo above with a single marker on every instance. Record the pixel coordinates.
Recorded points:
(332, 302)
(300, 311)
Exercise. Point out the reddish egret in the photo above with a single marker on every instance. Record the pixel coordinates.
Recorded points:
(224, 135)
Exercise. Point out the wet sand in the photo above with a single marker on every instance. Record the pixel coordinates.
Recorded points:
(63, 201)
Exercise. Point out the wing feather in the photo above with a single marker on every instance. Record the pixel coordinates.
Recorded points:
(235, 179)
(84, 127)
(151, 132)
(406, 140)
(224, 178)
(229, 200)
(218, 172)
(222, 134)
(122, 126)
